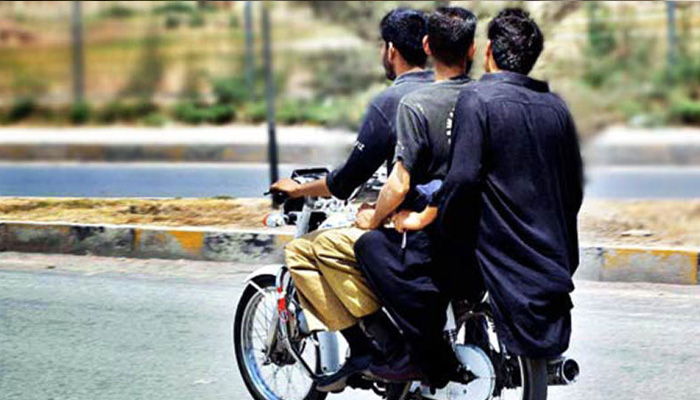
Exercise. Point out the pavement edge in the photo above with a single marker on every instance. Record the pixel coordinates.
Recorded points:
(597, 262)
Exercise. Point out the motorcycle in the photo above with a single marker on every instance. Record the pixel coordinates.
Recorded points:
(280, 359)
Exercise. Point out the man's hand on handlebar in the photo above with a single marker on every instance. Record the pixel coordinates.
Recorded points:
(288, 186)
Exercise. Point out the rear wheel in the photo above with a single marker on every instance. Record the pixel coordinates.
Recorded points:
(273, 378)
(534, 376)
(516, 377)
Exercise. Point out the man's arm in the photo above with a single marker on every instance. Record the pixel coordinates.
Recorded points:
(390, 198)
(410, 146)
(374, 142)
(293, 189)
(370, 151)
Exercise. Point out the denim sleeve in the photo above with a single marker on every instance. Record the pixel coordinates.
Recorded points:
(368, 154)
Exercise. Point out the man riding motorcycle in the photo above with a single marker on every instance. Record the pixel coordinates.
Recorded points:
(513, 192)
(397, 266)
(331, 289)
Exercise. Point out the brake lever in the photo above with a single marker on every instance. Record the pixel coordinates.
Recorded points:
(278, 198)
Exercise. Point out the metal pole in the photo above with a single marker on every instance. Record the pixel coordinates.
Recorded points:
(269, 94)
(249, 43)
(672, 34)
(77, 39)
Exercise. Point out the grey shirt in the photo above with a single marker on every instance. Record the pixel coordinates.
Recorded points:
(424, 128)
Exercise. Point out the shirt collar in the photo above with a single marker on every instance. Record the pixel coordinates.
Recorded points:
(515, 78)
(424, 75)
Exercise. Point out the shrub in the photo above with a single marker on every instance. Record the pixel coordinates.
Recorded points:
(685, 111)
(188, 113)
(155, 119)
(79, 113)
(21, 109)
(233, 91)
(255, 112)
(194, 114)
(220, 114)
(110, 113)
(172, 22)
(197, 20)
(292, 112)
(120, 111)
(118, 11)
(175, 7)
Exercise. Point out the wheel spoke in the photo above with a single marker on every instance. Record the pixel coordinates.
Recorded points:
(288, 382)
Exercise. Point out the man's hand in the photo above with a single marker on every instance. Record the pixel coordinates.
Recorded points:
(364, 219)
(366, 206)
(414, 221)
(290, 187)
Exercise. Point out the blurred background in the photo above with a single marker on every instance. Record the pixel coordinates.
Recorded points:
(156, 63)
(182, 99)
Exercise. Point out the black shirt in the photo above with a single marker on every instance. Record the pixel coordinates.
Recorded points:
(377, 138)
(512, 193)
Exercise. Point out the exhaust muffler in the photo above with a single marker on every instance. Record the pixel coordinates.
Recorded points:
(562, 371)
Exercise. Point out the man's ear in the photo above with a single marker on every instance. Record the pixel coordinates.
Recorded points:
(488, 57)
(472, 51)
(391, 52)
(426, 46)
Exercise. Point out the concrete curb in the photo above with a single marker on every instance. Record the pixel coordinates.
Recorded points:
(639, 264)
(143, 241)
(598, 263)
(624, 146)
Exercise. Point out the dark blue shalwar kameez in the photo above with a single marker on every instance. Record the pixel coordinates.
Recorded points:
(512, 194)
(403, 274)
(508, 209)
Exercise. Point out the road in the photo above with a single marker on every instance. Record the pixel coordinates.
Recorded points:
(97, 328)
(251, 180)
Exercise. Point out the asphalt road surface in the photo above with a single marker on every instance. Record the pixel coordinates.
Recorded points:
(251, 180)
(97, 328)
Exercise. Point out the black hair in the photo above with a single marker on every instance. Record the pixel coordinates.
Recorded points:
(451, 34)
(516, 40)
(405, 28)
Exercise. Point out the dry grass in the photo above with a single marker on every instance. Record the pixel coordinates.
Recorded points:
(663, 223)
(228, 213)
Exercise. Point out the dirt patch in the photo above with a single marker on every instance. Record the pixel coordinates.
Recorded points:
(658, 223)
(637, 222)
(224, 213)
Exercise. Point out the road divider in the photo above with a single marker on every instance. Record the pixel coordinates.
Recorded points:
(241, 246)
(598, 262)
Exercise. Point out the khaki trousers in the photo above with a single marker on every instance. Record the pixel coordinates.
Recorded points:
(331, 288)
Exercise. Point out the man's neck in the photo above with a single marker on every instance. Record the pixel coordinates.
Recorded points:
(408, 69)
(445, 72)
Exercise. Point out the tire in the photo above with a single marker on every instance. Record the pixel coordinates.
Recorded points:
(534, 375)
(256, 390)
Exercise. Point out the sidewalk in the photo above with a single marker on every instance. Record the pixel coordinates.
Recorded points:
(235, 143)
(624, 146)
